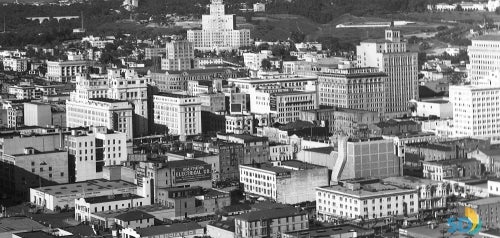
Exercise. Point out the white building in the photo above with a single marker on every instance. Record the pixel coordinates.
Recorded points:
(65, 194)
(85, 207)
(493, 5)
(289, 182)
(179, 55)
(92, 150)
(289, 81)
(97, 42)
(113, 114)
(65, 71)
(287, 105)
(390, 55)
(181, 114)
(441, 108)
(494, 187)
(218, 31)
(239, 124)
(37, 114)
(259, 7)
(355, 201)
(475, 110)
(484, 55)
(15, 64)
(253, 61)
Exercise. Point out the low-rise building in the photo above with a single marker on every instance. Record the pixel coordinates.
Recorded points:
(270, 223)
(256, 149)
(63, 195)
(86, 206)
(221, 229)
(455, 168)
(240, 124)
(441, 108)
(340, 231)
(486, 209)
(356, 200)
(288, 182)
(187, 230)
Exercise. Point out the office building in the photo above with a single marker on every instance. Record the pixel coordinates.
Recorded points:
(391, 56)
(113, 114)
(484, 54)
(270, 223)
(173, 80)
(286, 104)
(288, 182)
(65, 71)
(179, 114)
(368, 200)
(218, 31)
(150, 53)
(276, 81)
(89, 151)
(179, 55)
(187, 230)
(353, 88)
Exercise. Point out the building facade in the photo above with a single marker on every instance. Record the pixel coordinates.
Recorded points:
(180, 114)
(179, 55)
(218, 31)
(390, 55)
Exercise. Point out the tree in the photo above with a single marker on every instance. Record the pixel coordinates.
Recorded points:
(266, 64)
(497, 11)
(297, 37)
(459, 8)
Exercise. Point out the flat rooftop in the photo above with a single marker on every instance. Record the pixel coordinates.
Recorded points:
(287, 166)
(450, 161)
(270, 214)
(227, 225)
(368, 190)
(167, 229)
(173, 95)
(486, 201)
(409, 181)
(108, 100)
(492, 37)
(332, 231)
(437, 101)
(321, 150)
(111, 198)
(86, 186)
(13, 224)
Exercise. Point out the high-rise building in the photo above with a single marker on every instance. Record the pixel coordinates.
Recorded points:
(218, 31)
(484, 55)
(286, 104)
(120, 85)
(179, 114)
(354, 88)
(179, 55)
(113, 114)
(391, 56)
(89, 151)
(476, 110)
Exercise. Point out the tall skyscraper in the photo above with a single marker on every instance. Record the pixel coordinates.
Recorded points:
(218, 31)
(390, 55)
(484, 55)
(179, 55)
